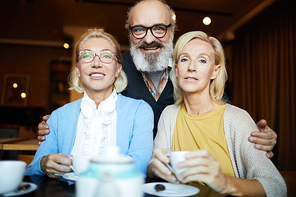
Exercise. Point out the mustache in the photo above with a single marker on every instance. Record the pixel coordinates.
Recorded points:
(144, 45)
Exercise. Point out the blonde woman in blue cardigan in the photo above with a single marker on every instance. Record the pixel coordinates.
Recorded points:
(215, 133)
(102, 118)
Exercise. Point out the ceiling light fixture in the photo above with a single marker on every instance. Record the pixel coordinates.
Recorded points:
(23, 95)
(207, 20)
(14, 85)
(66, 45)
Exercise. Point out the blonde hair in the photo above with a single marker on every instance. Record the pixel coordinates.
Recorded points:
(120, 82)
(217, 85)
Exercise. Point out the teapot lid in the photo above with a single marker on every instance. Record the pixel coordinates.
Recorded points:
(112, 156)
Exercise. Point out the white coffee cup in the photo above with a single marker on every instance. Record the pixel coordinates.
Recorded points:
(11, 175)
(80, 164)
(175, 158)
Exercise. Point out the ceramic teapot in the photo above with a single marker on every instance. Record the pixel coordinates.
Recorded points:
(112, 174)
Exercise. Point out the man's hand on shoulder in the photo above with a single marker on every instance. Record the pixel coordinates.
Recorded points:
(264, 139)
(43, 129)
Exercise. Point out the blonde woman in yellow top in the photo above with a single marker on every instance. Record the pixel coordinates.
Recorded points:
(215, 133)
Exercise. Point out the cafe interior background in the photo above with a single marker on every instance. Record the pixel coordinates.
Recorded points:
(259, 37)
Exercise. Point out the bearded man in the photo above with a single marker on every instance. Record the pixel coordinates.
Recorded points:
(147, 64)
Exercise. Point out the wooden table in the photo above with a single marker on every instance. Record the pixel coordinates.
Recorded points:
(4, 140)
(19, 144)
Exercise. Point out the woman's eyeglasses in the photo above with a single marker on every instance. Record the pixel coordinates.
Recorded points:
(105, 56)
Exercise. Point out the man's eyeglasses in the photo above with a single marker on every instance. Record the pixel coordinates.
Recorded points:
(158, 31)
(105, 56)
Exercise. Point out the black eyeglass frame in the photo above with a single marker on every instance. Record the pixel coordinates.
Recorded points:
(79, 56)
(150, 28)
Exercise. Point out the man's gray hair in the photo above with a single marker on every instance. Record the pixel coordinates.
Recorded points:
(171, 11)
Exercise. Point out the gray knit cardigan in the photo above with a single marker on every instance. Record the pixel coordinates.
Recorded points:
(248, 162)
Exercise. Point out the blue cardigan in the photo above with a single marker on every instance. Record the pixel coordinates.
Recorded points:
(134, 132)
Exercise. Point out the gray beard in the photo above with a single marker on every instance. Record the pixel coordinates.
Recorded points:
(152, 62)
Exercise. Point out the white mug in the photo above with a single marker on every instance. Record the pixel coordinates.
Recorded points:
(175, 158)
(11, 175)
(80, 164)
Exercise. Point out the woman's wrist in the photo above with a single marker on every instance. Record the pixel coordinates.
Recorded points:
(230, 186)
(243, 187)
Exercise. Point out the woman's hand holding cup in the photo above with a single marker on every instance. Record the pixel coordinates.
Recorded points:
(56, 164)
(165, 163)
(158, 165)
(202, 166)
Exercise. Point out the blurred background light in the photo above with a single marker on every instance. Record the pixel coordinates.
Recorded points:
(207, 20)
(66, 45)
(23, 95)
(14, 85)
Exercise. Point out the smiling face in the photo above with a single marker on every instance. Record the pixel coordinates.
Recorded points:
(196, 67)
(150, 53)
(97, 76)
(149, 13)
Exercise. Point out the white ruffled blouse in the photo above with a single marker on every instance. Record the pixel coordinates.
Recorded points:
(96, 130)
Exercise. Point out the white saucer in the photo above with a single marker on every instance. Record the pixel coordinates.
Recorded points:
(170, 189)
(32, 188)
(70, 176)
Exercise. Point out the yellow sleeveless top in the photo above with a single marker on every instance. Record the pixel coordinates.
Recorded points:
(205, 131)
